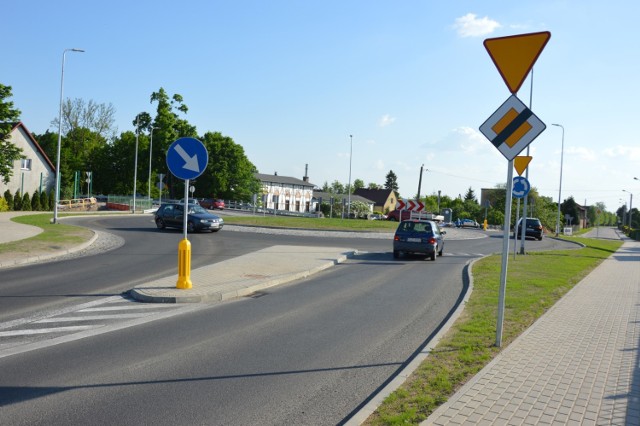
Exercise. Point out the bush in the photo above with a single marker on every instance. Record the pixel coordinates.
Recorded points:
(4, 207)
(17, 202)
(44, 201)
(35, 202)
(8, 198)
(26, 202)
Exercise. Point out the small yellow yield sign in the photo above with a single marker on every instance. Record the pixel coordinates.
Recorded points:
(521, 162)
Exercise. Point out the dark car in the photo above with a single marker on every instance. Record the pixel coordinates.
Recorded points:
(171, 215)
(533, 229)
(420, 237)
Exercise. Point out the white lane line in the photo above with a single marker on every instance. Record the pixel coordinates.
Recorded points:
(130, 307)
(91, 318)
(47, 330)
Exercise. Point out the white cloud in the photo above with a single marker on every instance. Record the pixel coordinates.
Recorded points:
(470, 25)
(379, 165)
(386, 120)
(626, 152)
(582, 153)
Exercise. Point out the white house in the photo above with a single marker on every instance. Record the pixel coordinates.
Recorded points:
(286, 193)
(34, 172)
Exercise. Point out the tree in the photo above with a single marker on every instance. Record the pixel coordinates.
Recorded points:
(8, 197)
(470, 195)
(97, 118)
(391, 181)
(326, 187)
(337, 188)
(17, 201)
(35, 202)
(26, 202)
(357, 184)
(9, 153)
(229, 174)
(373, 185)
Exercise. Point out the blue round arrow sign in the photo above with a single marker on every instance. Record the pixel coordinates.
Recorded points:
(521, 187)
(187, 158)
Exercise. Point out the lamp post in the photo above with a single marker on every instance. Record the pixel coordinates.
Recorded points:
(57, 197)
(150, 151)
(135, 167)
(630, 205)
(560, 187)
(349, 188)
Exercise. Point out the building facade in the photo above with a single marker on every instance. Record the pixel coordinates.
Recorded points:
(34, 172)
(286, 193)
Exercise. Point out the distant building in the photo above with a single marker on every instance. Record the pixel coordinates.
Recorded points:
(34, 172)
(286, 193)
(325, 197)
(384, 200)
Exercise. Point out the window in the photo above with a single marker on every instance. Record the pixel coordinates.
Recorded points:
(25, 164)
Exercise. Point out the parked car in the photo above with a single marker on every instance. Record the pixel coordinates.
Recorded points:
(394, 215)
(171, 215)
(377, 216)
(467, 223)
(190, 201)
(533, 229)
(420, 237)
(211, 203)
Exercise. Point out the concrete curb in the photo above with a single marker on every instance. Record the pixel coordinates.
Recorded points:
(164, 290)
(365, 412)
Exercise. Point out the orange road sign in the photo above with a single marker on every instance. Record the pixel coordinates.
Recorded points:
(521, 162)
(515, 55)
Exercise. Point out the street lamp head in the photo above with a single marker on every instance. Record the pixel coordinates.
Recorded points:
(76, 50)
(559, 125)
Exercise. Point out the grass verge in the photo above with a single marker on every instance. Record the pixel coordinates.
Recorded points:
(313, 223)
(534, 283)
(53, 237)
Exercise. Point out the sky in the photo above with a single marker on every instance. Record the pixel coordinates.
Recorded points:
(352, 88)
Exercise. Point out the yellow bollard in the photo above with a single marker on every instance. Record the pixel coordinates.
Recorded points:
(184, 265)
(485, 225)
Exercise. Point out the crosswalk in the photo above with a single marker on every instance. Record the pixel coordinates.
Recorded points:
(80, 321)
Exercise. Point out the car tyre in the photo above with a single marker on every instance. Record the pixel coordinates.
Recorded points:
(396, 254)
(440, 252)
(433, 255)
(190, 228)
(160, 223)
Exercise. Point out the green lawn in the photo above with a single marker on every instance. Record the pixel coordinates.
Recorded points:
(534, 283)
(314, 223)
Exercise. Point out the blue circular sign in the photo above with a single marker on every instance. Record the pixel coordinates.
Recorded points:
(187, 158)
(521, 187)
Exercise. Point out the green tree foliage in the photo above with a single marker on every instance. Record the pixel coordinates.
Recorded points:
(359, 209)
(26, 202)
(44, 201)
(470, 195)
(8, 197)
(337, 188)
(357, 184)
(52, 200)
(391, 181)
(4, 207)
(35, 202)
(373, 185)
(569, 207)
(9, 153)
(230, 174)
(17, 201)
(326, 187)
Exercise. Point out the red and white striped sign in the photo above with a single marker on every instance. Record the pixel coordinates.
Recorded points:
(412, 205)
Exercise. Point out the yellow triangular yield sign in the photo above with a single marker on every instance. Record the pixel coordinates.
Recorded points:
(515, 55)
(521, 162)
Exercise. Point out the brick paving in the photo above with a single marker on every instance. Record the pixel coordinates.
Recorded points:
(578, 364)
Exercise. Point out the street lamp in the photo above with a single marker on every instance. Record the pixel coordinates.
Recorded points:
(150, 151)
(349, 188)
(560, 187)
(630, 205)
(57, 197)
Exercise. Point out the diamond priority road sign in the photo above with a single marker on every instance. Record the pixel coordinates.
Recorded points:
(512, 127)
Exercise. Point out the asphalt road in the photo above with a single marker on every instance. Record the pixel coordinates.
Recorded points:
(308, 352)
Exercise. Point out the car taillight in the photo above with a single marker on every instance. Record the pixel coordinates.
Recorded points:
(432, 240)
(396, 238)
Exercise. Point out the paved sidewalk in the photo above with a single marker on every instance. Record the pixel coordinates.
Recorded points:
(578, 364)
(13, 231)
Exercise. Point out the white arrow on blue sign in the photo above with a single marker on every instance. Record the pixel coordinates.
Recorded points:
(187, 158)
(521, 187)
